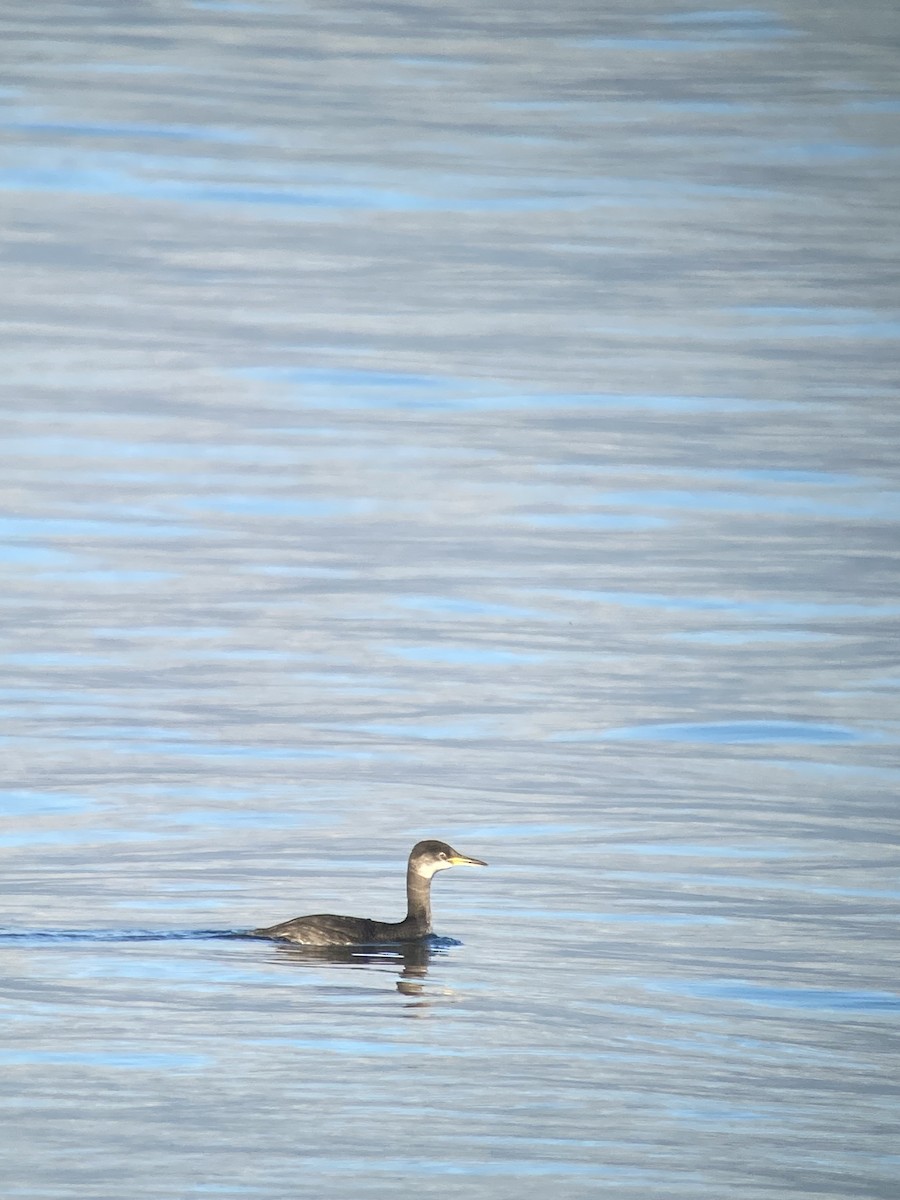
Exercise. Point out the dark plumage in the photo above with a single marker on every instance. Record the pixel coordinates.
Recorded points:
(327, 929)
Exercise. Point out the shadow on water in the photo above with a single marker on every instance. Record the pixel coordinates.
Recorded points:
(376, 952)
(116, 935)
(411, 959)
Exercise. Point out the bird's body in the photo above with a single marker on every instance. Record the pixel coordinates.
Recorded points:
(329, 929)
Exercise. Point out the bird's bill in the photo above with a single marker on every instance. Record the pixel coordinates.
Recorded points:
(460, 860)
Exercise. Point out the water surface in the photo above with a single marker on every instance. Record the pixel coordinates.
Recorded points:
(440, 421)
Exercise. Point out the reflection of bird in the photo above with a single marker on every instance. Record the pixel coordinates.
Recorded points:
(325, 929)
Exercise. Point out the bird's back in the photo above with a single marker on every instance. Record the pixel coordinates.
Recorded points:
(326, 929)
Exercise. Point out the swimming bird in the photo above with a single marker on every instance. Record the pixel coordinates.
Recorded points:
(327, 929)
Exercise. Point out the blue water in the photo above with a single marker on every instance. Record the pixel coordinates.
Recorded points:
(464, 422)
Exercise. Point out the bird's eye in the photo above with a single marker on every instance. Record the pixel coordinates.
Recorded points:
(441, 854)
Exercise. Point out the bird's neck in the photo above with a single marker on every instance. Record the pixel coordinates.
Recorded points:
(418, 901)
